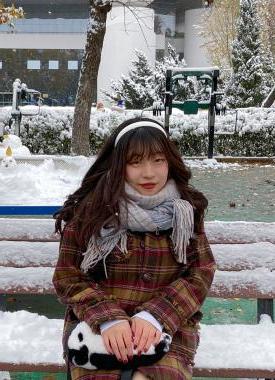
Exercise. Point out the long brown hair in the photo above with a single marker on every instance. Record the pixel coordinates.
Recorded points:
(96, 202)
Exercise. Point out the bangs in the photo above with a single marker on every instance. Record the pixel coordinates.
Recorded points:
(145, 144)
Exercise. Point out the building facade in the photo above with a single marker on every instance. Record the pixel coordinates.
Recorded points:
(45, 48)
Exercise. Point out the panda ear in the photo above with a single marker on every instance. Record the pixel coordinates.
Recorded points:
(80, 337)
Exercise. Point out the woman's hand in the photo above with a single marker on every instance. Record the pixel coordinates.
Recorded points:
(144, 334)
(118, 341)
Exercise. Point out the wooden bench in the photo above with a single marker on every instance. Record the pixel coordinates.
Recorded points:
(244, 252)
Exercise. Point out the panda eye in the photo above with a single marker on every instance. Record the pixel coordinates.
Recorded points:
(80, 337)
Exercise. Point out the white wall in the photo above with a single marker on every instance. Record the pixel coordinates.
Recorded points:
(42, 41)
(118, 50)
(194, 54)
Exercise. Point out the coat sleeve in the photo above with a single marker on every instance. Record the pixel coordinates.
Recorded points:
(78, 290)
(177, 302)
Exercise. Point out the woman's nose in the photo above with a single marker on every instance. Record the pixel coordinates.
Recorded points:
(147, 170)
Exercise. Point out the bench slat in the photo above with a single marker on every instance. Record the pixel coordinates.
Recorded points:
(256, 283)
(197, 371)
(215, 356)
(217, 232)
(228, 256)
(234, 373)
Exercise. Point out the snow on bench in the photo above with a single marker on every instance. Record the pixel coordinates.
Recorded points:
(28, 254)
(33, 342)
(255, 283)
(227, 256)
(217, 232)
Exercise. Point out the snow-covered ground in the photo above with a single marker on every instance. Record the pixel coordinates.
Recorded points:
(30, 179)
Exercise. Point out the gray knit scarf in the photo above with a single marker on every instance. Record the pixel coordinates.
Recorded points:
(161, 211)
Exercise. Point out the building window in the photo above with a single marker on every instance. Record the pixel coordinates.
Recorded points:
(72, 65)
(1, 65)
(53, 65)
(33, 64)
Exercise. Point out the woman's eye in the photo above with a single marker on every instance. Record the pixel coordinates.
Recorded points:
(134, 162)
(160, 160)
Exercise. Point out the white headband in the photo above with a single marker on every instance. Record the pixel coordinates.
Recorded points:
(139, 124)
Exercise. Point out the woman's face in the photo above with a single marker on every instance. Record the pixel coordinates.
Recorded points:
(147, 175)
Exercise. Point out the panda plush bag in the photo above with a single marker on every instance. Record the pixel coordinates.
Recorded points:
(87, 350)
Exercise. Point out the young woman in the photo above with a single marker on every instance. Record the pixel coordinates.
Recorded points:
(134, 259)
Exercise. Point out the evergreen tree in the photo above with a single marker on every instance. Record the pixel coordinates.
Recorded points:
(252, 78)
(145, 84)
(136, 88)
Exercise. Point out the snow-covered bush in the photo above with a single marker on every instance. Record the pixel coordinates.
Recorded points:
(50, 131)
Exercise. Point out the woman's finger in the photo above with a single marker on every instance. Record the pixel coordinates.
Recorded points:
(128, 344)
(138, 334)
(107, 344)
(122, 348)
(133, 327)
(142, 340)
(115, 348)
(150, 340)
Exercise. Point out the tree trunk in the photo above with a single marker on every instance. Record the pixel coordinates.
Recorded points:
(270, 99)
(87, 88)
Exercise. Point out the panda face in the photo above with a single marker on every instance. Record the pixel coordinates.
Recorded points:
(87, 350)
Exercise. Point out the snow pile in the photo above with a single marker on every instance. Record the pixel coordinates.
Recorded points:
(31, 338)
(27, 184)
(208, 163)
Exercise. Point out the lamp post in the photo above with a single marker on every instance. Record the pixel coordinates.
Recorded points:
(15, 111)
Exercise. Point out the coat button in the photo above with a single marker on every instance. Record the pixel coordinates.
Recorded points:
(147, 277)
(142, 244)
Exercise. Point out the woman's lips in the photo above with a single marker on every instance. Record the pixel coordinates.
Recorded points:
(148, 185)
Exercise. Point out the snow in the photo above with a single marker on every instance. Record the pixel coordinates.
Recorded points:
(31, 229)
(23, 254)
(38, 180)
(32, 338)
(38, 279)
(241, 232)
(260, 280)
(249, 256)
(217, 231)
(28, 184)
(60, 119)
(14, 142)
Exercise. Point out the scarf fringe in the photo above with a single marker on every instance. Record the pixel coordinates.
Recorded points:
(100, 249)
(183, 228)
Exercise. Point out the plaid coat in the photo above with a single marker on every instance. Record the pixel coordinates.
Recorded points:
(146, 278)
